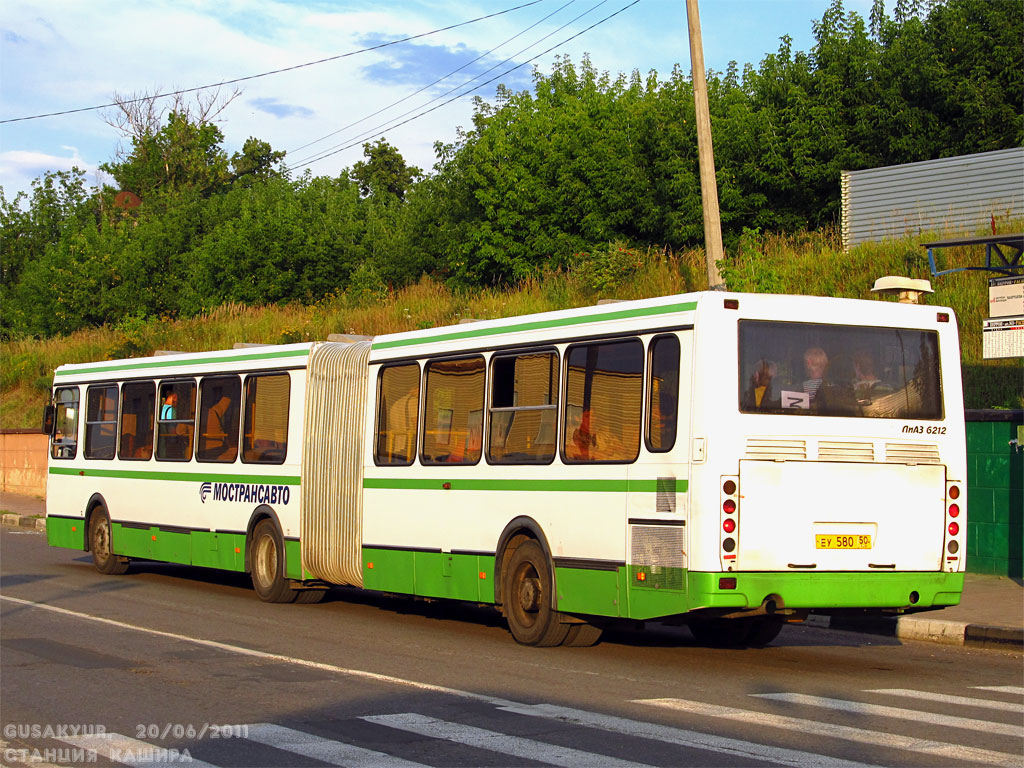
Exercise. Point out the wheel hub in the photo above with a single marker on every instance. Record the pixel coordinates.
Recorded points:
(529, 594)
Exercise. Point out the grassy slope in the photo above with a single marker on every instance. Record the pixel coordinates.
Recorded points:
(807, 263)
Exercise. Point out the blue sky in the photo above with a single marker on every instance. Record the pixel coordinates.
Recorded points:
(66, 54)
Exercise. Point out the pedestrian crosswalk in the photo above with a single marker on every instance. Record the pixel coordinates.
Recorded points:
(561, 736)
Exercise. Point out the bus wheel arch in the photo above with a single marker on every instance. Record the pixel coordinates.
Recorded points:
(96, 501)
(99, 539)
(262, 512)
(265, 559)
(517, 531)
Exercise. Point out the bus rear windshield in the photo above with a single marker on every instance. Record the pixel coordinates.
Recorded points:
(808, 369)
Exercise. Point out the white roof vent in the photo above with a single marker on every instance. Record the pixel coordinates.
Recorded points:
(907, 289)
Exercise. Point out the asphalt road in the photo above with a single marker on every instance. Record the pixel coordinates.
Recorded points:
(180, 665)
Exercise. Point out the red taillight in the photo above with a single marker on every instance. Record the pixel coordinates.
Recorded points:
(954, 529)
(942, 317)
(729, 486)
(730, 525)
(954, 510)
(729, 506)
(954, 492)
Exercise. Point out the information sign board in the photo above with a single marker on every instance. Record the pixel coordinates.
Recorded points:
(1006, 296)
(1002, 337)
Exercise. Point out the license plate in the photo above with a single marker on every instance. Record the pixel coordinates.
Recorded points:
(842, 541)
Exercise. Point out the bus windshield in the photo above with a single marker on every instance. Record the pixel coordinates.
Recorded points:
(808, 369)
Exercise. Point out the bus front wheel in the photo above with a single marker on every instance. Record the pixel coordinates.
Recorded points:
(100, 544)
(267, 564)
(526, 595)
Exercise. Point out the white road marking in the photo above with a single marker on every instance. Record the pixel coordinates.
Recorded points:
(692, 739)
(129, 751)
(376, 677)
(957, 701)
(848, 733)
(1001, 689)
(737, 748)
(860, 708)
(501, 743)
(319, 748)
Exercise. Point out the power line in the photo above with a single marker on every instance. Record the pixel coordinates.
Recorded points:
(274, 71)
(430, 85)
(476, 88)
(371, 132)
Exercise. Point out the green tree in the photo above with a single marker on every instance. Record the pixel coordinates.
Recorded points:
(181, 155)
(384, 171)
(256, 162)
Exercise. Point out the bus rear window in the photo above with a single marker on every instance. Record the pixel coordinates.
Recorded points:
(803, 369)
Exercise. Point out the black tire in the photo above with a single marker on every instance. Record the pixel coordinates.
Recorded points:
(763, 630)
(526, 596)
(721, 633)
(101, 545)
(582, 635)
(309, 596)
(266, 564)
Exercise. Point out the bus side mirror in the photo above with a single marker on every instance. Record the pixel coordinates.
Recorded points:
(49, 419)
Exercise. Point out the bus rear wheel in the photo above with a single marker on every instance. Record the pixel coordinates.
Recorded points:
(763, 630)
(721, 633)
(582, 635)
(101, 545)
(267, 564)
(526, 595)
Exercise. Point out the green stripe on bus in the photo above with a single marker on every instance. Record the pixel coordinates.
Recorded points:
(173, 361)
(536, 325)
(517, 484)
(187, 477)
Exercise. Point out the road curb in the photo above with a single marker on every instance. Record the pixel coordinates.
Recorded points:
(22, 521)
(926, 630)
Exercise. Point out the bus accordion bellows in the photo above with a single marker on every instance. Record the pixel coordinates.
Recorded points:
(728, 461)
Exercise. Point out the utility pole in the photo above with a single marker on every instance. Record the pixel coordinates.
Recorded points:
(708, 185)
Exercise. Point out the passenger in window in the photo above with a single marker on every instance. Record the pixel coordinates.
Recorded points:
(866, 385)
(219, 443)
(760, 393)
(815, 364)
(583, 438)
(169, 409)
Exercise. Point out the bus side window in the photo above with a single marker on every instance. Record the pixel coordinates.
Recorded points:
(265, 438)
(398, 404)
(219, 400)
(453, 411)
(65, 433)
(663, 394)
(138, 405)
(604, 395)
(524, 408)
(176, 422)
(100, 421)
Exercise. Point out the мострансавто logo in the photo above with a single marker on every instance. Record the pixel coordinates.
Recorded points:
(246, 493)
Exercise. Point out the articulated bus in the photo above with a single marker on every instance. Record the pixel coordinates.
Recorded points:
(727, 461)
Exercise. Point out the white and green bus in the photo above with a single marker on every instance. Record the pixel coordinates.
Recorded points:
(728, 461)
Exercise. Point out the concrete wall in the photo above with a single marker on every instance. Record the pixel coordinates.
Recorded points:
(995, 493)
(23, 461)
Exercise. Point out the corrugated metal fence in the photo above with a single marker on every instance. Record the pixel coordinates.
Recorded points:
(951, 195)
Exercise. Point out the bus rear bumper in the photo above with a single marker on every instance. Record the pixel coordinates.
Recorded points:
(909, 591)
